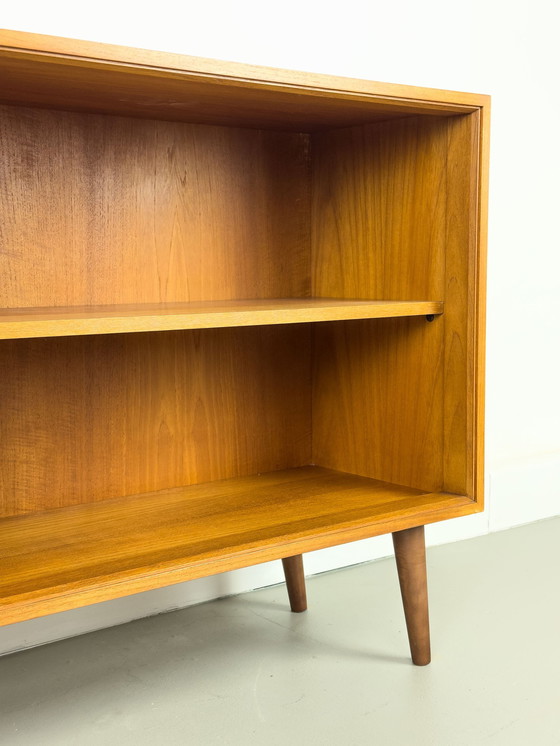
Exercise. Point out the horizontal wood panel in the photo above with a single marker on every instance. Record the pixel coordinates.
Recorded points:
(74, 49)
(88, 419)
(57, 322)
(69, 74)
(65, 558)
(129, 92)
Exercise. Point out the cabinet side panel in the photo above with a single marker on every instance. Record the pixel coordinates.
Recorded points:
(88, 419)
(105, 210)
(377, 400)
(461, 279)
(379, 231)
(378, 210)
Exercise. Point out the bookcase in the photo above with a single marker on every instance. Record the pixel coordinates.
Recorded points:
(241, 318)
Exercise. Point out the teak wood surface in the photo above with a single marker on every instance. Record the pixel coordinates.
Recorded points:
(88, 553)
(67, 322)
(100, 210)
(379, 219)
(52, 72)
(86, 419)
(298, 262)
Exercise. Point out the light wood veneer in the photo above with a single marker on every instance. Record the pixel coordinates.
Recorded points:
(88, 553)
(241, 318)
(68, 322)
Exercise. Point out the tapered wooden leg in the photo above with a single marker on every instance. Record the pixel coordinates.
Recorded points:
(410, 554)
(295, 581)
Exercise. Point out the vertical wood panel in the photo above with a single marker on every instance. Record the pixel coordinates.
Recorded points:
(460, 291)
(87, 419)
(378, 222)
(377, 400)
(379, 231)
(478, 295)
(102, 210)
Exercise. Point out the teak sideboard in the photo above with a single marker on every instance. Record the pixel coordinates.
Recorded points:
(242, 318)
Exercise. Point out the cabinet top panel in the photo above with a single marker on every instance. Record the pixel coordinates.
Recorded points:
(54, 72)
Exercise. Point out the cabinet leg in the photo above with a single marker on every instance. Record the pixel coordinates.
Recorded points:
(410, 554)
(295, 582)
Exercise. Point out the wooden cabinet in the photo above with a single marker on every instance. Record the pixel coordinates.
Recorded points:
(242, 317)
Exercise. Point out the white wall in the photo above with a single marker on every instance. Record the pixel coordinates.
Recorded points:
(507, 49)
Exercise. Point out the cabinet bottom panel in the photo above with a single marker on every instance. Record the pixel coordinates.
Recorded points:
(69, 557)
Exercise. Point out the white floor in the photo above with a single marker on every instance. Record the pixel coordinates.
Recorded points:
(246, 671)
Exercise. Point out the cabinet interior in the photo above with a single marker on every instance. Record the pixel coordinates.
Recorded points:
(123, 204)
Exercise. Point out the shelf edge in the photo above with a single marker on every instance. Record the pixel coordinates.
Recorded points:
(29, 328)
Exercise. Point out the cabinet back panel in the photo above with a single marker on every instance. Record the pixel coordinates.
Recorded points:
(87, 419)
(104, 210)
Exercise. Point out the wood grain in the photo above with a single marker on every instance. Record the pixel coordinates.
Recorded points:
(69, 74)
(99, 210)
(377, 400)
(65, 558)
(229, 196)
(57, 322)
(460, 291)
(378, 200)
(379, 230)
(88, 51)
(395, 211)
(89, 419)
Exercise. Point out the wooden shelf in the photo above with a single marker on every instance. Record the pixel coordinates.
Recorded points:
(67, 322)
(62, 558)
(136, 181)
